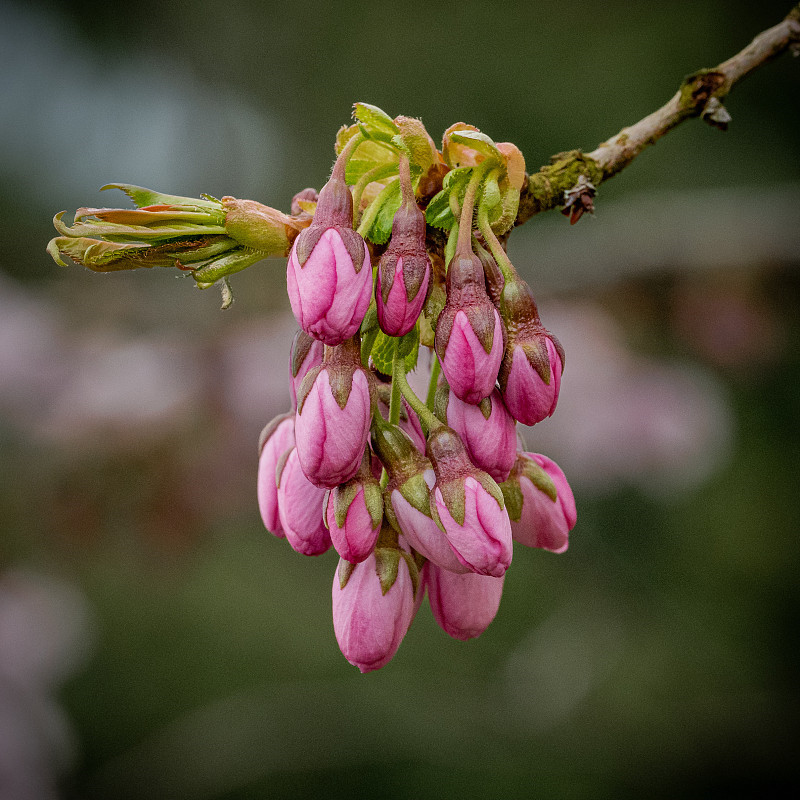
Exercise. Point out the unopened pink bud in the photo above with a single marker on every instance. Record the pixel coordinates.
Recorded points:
(333, 420)
(530, 375)
(276, 439)
(530, 398)
(300, 509)
(548, 511)
(328, 292)
(483, 542)
(463, 605)
(469, 333)
(305, 354)
(487, 430)
(354, 513)
(469, 506)
(421, 532)
(370, 617)
(400, 305)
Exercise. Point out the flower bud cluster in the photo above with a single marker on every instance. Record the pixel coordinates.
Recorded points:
(400, 251)
(414, 496)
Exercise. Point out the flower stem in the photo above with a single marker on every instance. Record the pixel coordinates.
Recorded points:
(426, 416)
(374, 174)
(406, 187)
(500, 256)
(436, 368)
(398, 365)
(340, 166)
(468, 208)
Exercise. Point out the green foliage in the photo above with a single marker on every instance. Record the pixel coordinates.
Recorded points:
(383, 351)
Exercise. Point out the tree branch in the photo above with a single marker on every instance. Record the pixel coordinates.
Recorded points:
(700, 95)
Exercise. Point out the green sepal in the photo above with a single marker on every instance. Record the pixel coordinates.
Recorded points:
(413, 571)
(387, 565)
(491, 486)
(374, 119)
(512, 494)
(539, 359)
(344, 570)
(485, 406)
(270, 428)
(305, 386)
(341, 381)
(379, 216)
(373, 499)
(281, 464)
(147, 197)
(454, 497)
(343, 497)
(539, 478)
(417, 493)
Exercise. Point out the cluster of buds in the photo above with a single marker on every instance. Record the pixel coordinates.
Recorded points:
(416, 495)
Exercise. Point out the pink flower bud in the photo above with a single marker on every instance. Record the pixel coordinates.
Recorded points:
(540, 503)
(463, 605)
(407, 497)
(328, 275)
(530, 375)
(469, 333)
(530, 398)
(333, 417)
(373, 605)
(300, 508)
(354, 512)
(276, 439)
(305, 354)
(419, 528)
(487, 430)
(469, 507)
(404, 272)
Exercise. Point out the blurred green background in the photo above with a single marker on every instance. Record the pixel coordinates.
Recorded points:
(156, 642)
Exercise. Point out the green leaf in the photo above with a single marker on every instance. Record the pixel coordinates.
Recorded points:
(479, 142)
(379, 216)
(227, 264)
(438, 213)
(147, 197)
(383, 351)
(374, 120)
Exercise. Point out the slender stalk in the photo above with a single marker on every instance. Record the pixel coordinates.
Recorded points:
(468, 208)
(374, 174)
(340, 167)
(406, 187)
(436, 368)
(500, 255)
(395, 397)
(426, 416)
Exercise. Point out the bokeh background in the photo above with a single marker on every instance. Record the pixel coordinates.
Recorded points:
(155, 642)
